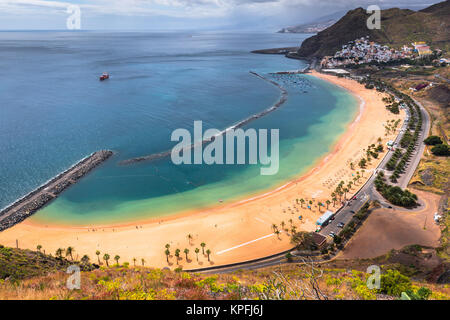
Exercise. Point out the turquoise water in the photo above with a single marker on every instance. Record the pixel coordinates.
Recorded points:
(54, 112)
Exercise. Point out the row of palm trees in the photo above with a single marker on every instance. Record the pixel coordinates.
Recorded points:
(284, 227)
(186, 251)
(311, 202)
(106, 258)
(67, 252)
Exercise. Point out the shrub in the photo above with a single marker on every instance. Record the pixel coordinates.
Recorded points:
(441, 150)
(432, 140)
(394, 283)
(421, 294)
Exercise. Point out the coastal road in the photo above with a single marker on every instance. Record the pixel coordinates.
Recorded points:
(366, 193)
(404, 179)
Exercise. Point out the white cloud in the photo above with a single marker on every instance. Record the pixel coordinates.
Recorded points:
(281, 12)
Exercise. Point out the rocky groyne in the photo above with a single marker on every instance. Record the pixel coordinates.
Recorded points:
(165, 154)
(38, 198)
(276, 50)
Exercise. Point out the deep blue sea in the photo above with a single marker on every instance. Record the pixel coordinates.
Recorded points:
(54, 111)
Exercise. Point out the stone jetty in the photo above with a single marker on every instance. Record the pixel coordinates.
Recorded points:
(38, 198)
(167, 153)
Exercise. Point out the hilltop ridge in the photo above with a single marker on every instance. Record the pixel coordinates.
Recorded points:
(398, 27)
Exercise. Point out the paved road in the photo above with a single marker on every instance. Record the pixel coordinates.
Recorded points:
(415, 159)
(368, 191)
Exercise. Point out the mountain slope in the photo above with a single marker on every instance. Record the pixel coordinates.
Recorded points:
(398, 27)
(315, 26)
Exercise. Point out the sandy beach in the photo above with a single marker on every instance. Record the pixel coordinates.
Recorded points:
(236, 232)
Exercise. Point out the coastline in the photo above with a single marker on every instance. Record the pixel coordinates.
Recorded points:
(239, 200)
(240, 222)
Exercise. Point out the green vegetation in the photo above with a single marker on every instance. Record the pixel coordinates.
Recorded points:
(432, 140)
(39, 276)
(18, 264)
(393, 194)
(394, 108)
(441, 150)
(303, 241)
(423, 293)
(399, 160)
(393, 283)
(399, 27)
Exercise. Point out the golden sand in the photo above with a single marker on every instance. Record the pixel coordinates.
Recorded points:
(236, 232)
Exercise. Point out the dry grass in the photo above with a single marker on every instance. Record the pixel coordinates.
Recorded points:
(287, 282)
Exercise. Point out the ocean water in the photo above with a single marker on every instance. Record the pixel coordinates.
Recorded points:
(54, 111)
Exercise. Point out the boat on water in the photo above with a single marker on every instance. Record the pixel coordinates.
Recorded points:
(104, 76)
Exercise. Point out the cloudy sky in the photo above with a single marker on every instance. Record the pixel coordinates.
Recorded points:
(264, 15)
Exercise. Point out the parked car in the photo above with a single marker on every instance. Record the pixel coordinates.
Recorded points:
(341, 225)
(352, 211)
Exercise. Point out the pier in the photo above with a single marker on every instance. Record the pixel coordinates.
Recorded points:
(38, 198)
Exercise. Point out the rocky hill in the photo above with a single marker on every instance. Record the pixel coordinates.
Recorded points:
(16, 264)
(398, 27)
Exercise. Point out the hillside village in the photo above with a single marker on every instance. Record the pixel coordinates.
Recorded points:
(363, 51)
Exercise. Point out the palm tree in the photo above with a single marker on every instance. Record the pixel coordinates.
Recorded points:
(328, 203)
(320, 204)
(362, 172)
(186, 251)
(59, 252)
(167, 252)
(190, 237)
(302, 201)
(310, 204)
(39, 247)
(177, 254)
(197, 250)
(203, 245)
(143, 261)
(167, 246)
(117, 257)
(291, 222)
(345, 193)
(69, 252)
(98, 256)
(293, 229)
(85, 259)
(274, 227)
(277, 232)
(106, 258)
(282, 224)
(134, 261)
(208, 252)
